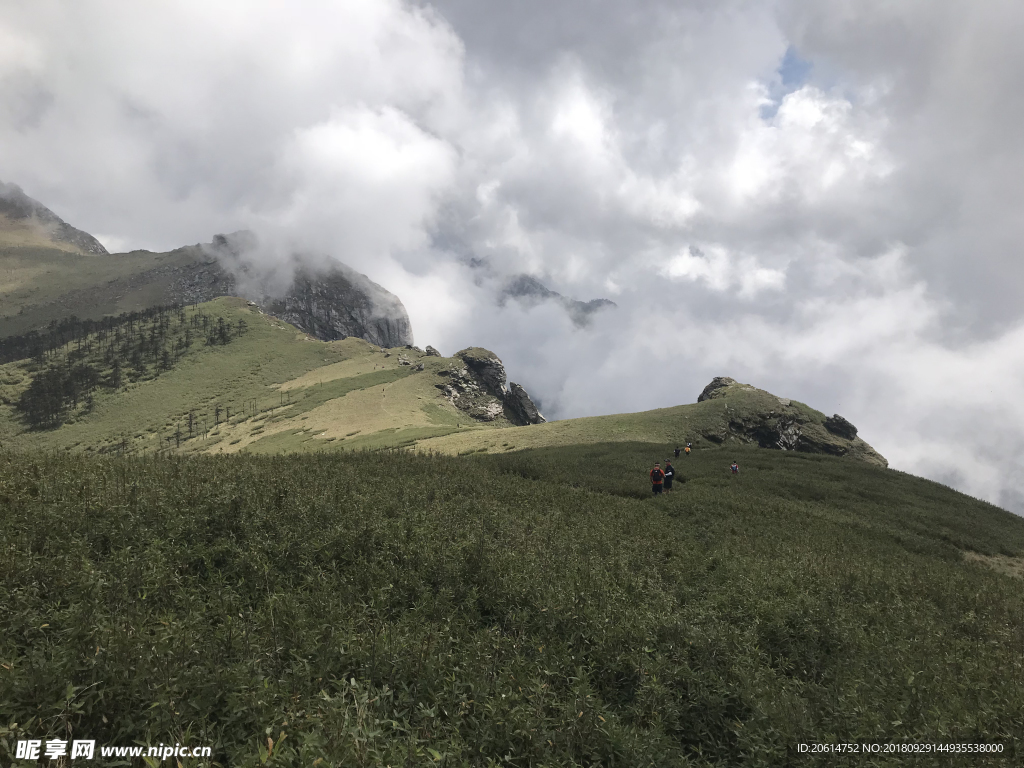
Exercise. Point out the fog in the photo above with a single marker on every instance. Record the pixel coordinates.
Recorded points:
(822, 200)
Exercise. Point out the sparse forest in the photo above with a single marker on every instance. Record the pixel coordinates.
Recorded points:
(75, 357)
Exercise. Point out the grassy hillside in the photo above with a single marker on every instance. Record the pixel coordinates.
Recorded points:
(41, 282)
(28, 233)
(526, 609)
(275, 390)
(270, 390)
(730, 419)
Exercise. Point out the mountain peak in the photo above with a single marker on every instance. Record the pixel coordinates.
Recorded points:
(530, 291)
(21, 212)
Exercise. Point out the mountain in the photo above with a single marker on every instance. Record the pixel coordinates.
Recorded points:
(225, 376)
(330, 301)
(530, 291)
(459, 404)
(271, 388)
(48, 279)
(27, 221)
(506, 591)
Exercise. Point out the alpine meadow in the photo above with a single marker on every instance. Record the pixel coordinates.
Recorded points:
(713, 459)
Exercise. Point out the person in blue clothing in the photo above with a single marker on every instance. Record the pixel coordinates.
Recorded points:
(735, 468)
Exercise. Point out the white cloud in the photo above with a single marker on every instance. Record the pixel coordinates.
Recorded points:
(859, 229)
(364, 184)
(721, 270)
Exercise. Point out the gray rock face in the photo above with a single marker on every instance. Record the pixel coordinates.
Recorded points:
(784, 433)
(329, 304)
(487, 367)
(431, 352)
(479, 390)
(17, 206)
(519, 403)
(204, 280)
(341, 303)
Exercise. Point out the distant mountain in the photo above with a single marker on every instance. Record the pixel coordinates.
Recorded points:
(48, 280)
(32, 217)
(530, 291)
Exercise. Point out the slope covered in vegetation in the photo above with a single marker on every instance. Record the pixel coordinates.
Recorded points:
(525, 609)
(223, 377)
(734, 415)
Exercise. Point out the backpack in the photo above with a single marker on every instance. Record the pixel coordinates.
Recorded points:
(657, 475)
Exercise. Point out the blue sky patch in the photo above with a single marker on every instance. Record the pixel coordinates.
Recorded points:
(793, 72)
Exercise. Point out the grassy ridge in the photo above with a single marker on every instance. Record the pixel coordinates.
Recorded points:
(526, 609)
(728, 418)
(40, 282)
(284, 390)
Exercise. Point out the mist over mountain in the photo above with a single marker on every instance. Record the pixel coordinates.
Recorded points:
(20, 209)
(815, 197)
(323, 297)
(319, 295)
(530, 291)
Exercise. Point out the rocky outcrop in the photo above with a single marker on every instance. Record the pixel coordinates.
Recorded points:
(340, 303)
(431, 352)
(203, 280)
(749, 415)
(476, 386)
(19, 207)
(715, 388)
(837, 425)
(519, 403)
(486, 367)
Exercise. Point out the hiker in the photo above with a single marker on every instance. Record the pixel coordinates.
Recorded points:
(670, 474)
(687, 449)
(735, 468)
(657, 478)
(677, 451)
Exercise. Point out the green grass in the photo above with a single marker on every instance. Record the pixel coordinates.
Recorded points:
(274, 379)
(524, 609)
(231, 376)
(305, 400)
(706, 424)
(39, 283)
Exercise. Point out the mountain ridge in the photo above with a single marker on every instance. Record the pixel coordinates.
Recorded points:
(18, 208)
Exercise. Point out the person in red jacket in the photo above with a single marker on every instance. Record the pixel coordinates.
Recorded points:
(657, 477)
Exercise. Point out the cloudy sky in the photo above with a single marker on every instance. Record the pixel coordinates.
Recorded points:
(821, 199)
